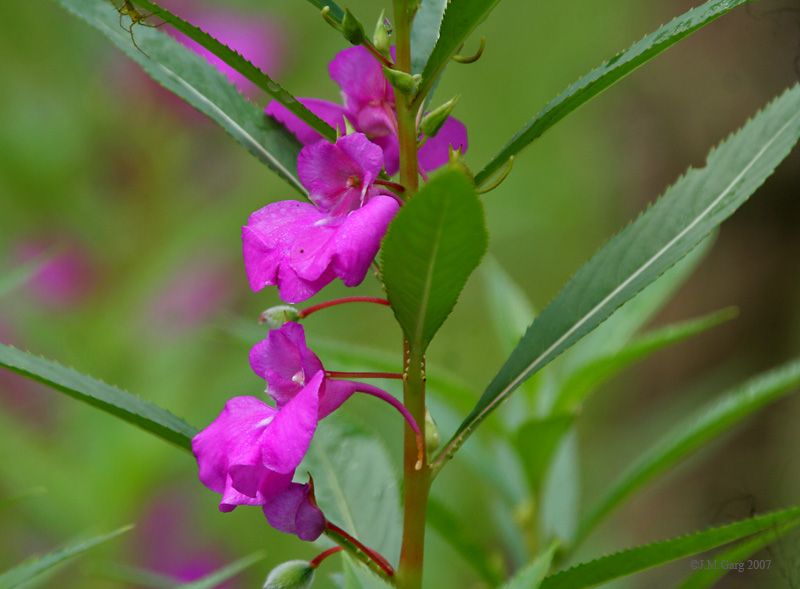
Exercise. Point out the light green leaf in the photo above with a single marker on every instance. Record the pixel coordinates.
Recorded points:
(706, 578)
(633, 560)
(335, 12)
(532, 575)
(122, 404)
(460, 19)
(425, 32)
(218, 577)
(191, 77)
(459, 535)
(560, 497)
(360, 577)
(33, 567)
(355, 485)
(693, 434)
(243, 66)
(432, 246)
(510, 309)
(536, 441)
(604, 76)
(584, 381)
(638, 255)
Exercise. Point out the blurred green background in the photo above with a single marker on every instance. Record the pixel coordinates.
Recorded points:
(145, 199)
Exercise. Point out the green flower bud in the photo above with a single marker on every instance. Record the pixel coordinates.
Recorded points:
(434, 120)
(352, 29)
(380, 38)
(432, 437)
(405, 83)
(274, 317)
(295, 574)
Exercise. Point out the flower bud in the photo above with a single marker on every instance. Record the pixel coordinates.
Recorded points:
(434, 120)
(352, 29)
(294, 574)
(274, 317)
(380, 38)
(405, 83)
(432, 437)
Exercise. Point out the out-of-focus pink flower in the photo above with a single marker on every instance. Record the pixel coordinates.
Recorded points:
(63, 274)
(301, 247)
(369, 106)
(250, 452)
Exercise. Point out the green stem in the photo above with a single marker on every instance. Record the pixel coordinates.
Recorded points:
(417, 481)
(406, 114)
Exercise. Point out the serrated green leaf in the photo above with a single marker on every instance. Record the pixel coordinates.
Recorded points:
(532, 575)
(584, 381)
(432, 246)
(355, 484)
(706, 578)
(335, 12)
(191, 77)
(693, 434)
(243, 66)
(33, 567)
(122, 404)
(218, 577)
(536, 441)
(460, 19)
(633, 560)
(425, 32)
(458, 534)
(606, 75)
(640, 253)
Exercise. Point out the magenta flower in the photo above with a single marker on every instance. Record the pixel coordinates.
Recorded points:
(301, 247)
(370, 108)
(250, 452)
(294, 512)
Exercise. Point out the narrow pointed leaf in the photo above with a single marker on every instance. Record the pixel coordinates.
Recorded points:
(432, 246)
(706, 578)
(33, 567)
(460, 19)
(191, 77)
(695, 433)
(606, 75)
(639, 254)
(122, 404)
(243, 66)
(634, 560)
(218, 577)
(531, 576)
(536, 441)
(584, 381)
(425, 32)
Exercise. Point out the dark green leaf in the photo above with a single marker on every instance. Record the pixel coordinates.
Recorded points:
(457, 532)
(460, 19)
(536, 441)
(432, 246)
(33, 567)
(122, 404)
(638, 255)
(218, 577)
(425, 32)
(633, 560)
(355, 484)
(604, 76)
(335, 12)
(585, 380)
(693, 434)
(191, 77)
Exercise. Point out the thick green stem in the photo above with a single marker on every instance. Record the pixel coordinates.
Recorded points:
(417, 481)
(406, 114)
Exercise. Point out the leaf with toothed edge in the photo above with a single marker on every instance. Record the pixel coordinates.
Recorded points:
(180, 70)
(122, 404)
(634, 560)
(606, 75)
(646, 248)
